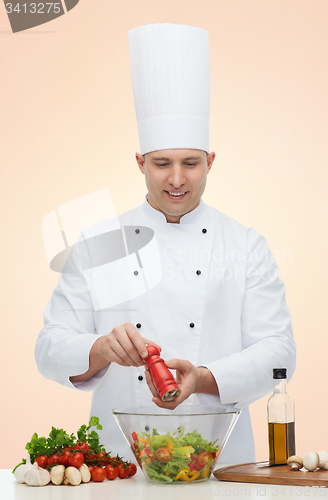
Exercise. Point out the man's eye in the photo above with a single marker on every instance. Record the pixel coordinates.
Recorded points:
(161, 164)
(191, 164)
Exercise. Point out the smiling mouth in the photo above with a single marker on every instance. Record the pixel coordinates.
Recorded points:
(176, 195)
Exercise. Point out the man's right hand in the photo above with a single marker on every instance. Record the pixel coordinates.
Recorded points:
(124, 346)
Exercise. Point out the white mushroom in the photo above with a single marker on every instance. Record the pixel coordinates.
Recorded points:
(73, 476)
(323, 459)
(311, 460)
(85, 473)
(57, 474)
(295, 462)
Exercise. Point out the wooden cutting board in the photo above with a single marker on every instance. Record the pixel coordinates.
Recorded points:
(262, 473)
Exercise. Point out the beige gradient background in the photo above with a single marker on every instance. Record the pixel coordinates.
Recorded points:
(68, 128)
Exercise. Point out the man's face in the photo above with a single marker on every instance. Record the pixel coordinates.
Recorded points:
(176, 179)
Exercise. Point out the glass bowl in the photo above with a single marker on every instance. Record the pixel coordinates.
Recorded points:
(173, 446)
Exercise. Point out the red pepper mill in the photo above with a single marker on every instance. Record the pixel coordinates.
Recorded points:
(163, 379)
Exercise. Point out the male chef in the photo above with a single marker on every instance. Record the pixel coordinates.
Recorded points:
(194, 281)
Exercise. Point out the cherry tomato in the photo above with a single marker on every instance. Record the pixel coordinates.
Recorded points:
(163, 455)
(54, 459)
(116, 461)
(63, 459)
(98, 474)
(42, 461)
(204, 457)
(103, 457)
(91, 467)
(132, 469)
(111, 472)
(122, 472)
(82, 446)
(76, 460)
(91, 455)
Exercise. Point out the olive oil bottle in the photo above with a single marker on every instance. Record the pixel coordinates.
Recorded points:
(281, 420)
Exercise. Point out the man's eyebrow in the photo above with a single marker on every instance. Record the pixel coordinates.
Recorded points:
(162, 158)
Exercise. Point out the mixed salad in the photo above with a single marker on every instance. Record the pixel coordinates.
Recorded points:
(176, 457)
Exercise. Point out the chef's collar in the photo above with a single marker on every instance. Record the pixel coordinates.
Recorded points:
(192, 217)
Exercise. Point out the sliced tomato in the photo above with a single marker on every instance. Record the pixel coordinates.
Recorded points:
(194, 464)
(163, 455)
(204, 457)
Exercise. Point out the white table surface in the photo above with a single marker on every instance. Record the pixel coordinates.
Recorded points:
(137, 487)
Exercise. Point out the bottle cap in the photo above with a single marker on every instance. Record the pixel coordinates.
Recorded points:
(279, 373)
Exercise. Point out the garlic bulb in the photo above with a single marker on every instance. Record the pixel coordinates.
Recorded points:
(22, 469)
(37, 476)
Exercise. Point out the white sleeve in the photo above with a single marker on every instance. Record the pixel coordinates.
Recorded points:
(63, 345)
(266, 329)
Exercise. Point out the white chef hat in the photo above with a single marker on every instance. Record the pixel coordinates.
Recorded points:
(171, 86)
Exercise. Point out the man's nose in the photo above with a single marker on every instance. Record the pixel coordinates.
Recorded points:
(176, 178)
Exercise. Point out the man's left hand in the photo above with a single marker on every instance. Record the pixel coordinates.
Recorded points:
(189, 378)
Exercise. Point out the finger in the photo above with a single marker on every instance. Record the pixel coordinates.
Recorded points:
(116, 354)
(178, 364)
(139, 352)
(131, 342)
(151, 342)
(108, 353)
(120, 345)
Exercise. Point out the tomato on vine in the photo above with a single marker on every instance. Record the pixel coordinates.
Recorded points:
(122, 472)
(64, 458)
(54, 459)
(42, 461)
(91, 468)
(132, 469)
(98, 474)
(91, 455)
(111, 472)
(76, 460)
(82, 446)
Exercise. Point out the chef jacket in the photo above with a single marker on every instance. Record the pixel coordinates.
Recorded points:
(219, 303)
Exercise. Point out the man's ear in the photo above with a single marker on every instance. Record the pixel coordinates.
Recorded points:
(141, 162)
(210, 160)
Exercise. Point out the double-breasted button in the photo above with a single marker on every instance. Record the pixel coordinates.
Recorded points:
(136, 273)
(192, 325)
(146, 428)
(138, 325)
(137, 231)
(140, 377)
(198, 272)
(204, 230)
